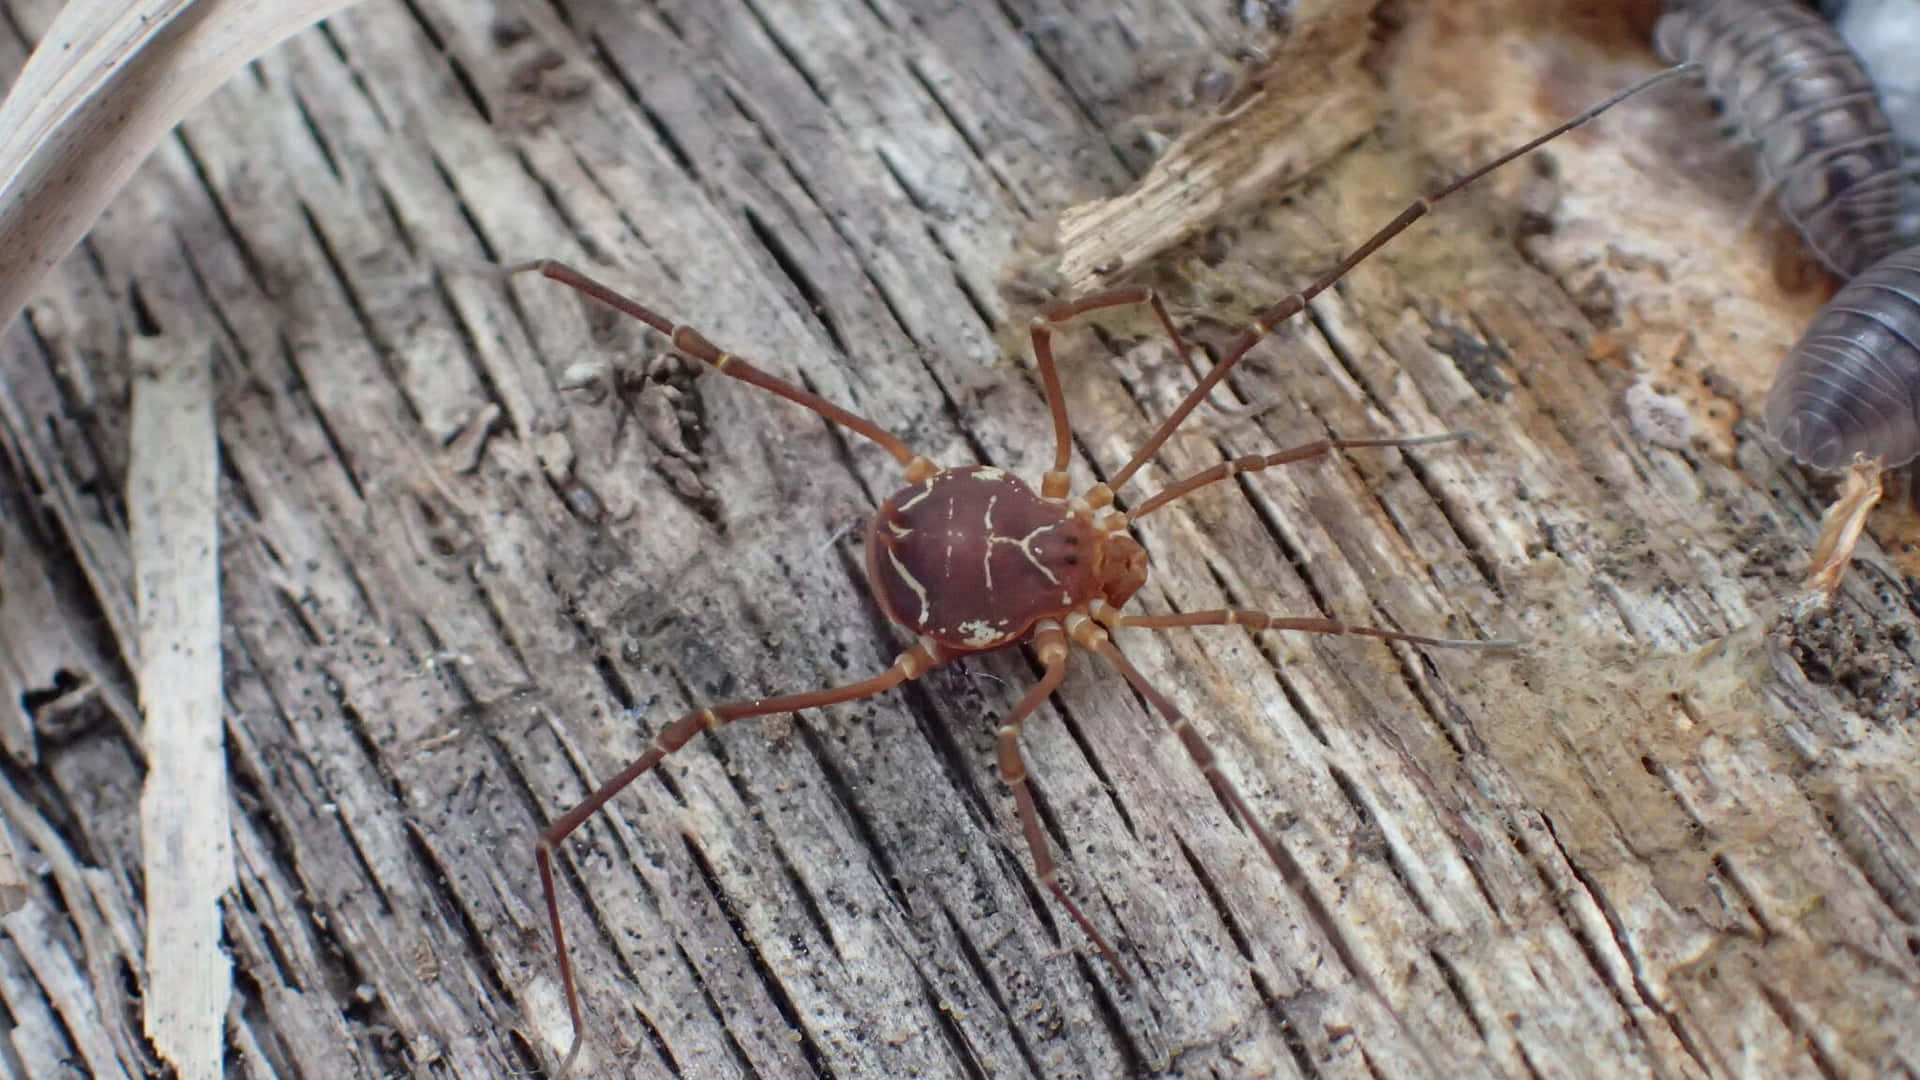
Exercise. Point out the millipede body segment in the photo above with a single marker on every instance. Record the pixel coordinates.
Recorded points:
(1789, 85)
(1851, 384)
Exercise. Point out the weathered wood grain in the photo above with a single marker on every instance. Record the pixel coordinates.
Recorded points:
(473, 556)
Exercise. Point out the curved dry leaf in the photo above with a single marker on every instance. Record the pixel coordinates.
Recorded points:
(83, 46)
(105, 84)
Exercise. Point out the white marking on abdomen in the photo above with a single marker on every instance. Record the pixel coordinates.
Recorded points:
(919, 590)
(978, 633)
(986, 555)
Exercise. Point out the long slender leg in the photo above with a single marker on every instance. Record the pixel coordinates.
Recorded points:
(1088, 634)
(1290, 306)
(912, 664)
(1260, 620)
(1256, 462)
(1054, 484)
(1051, 643)
(689, 341)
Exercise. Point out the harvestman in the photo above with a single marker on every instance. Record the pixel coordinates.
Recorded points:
(971, 559)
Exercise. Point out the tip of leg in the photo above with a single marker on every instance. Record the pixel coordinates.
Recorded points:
(1120, 973)
(1491, 645)
(573, 1054)
(1496, 645)
(1436, 642)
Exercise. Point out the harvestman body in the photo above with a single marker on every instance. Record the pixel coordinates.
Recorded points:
(971, 559)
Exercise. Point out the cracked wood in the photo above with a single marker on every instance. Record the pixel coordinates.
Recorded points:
(478, 548)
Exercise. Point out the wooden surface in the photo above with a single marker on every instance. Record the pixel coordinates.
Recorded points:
(472, 557)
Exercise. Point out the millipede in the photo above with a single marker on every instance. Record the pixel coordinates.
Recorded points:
(1788, 85)
(1851, 384)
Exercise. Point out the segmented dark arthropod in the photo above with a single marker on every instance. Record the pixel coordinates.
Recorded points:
(1851, 384)
(1790, 86)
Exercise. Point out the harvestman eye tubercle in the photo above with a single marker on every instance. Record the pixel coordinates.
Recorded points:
(971, 559)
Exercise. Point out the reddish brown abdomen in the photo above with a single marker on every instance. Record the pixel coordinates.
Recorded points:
(972, 557)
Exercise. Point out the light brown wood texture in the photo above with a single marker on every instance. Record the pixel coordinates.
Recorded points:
(173, 516)
(477, 546)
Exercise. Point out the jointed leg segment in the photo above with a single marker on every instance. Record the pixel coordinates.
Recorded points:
(1094, 638)
(912, 664)
(1051, 644)
(1054, 485)
(1289, 306)
(1260, 620)
(690, 341)
(1257, 462)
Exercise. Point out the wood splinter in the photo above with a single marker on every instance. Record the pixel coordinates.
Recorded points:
(1841, 525)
